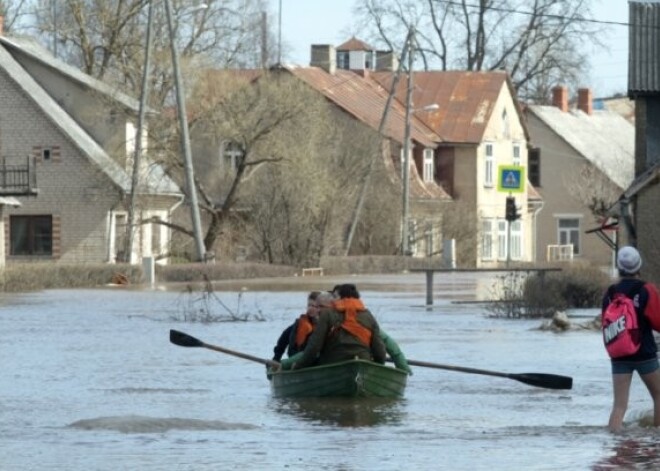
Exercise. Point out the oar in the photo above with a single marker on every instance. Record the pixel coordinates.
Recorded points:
(185, 340)
(541, 380)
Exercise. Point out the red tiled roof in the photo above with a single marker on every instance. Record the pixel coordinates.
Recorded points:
(465, 100)
(354, 44)
(364, 99)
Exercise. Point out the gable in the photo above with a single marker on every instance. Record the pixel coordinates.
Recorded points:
(49, 109)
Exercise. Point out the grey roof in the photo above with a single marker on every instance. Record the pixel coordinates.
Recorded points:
(31, 47)
(604, 138)
(157, 181)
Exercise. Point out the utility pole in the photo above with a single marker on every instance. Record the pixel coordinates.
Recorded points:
(185, 139)
(405, 238)
(144, 93)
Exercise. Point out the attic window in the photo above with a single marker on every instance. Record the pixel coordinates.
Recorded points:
(46, 154)
(506, 126)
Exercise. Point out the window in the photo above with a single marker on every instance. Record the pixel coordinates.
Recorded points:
(369, 60)
(46, 154)
(231, 155)
(31, 235)
(501, 239)
(516, 240)
(429, 169)
(487, 239)
(516, 154)
(569, 233)
(534, 166)
(342, 60)
(506, 125)
(490, 163)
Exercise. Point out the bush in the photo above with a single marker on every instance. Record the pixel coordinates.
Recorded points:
(18, 277)
(543, 294)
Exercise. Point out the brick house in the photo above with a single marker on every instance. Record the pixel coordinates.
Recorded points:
(77, 133)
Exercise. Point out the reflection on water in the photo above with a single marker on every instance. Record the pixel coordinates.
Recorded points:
(343, 412)
(633, 453)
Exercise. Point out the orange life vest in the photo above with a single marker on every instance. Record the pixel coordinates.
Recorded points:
(304, 329)
(350, 307)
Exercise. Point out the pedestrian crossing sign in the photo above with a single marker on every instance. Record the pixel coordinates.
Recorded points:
(511, 178)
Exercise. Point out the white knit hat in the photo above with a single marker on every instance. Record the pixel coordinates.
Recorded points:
(628, 260)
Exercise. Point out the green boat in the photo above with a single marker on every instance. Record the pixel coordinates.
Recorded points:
(353, 378)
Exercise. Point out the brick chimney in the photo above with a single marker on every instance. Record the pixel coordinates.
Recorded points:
(560, 97)
(325, 57)
(585, 100)
(2, 25)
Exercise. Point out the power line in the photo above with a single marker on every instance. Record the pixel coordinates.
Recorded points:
(546, 15)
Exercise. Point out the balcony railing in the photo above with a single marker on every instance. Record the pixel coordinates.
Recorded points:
(18, 180)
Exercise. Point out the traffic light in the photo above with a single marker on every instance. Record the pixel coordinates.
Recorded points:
(511, 210)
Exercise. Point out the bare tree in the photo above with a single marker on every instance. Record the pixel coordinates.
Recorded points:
(594, 189)
(537, 42)
(106, 38)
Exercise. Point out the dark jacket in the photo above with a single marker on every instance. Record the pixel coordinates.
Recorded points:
(287, 342)
(630, 287)
(330, 344)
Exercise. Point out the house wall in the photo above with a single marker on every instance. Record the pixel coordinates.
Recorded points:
(105, 123)
(647, 151)
(470, 164)
(559, 162)
(70, 188)
(648, 235)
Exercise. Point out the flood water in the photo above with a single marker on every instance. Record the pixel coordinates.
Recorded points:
(90, 382)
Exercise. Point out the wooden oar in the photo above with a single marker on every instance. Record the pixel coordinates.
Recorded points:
(540, 380)
(185, 340)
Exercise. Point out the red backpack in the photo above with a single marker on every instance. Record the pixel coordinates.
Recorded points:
(621, 333)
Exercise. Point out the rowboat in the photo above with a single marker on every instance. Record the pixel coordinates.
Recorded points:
(352, 378)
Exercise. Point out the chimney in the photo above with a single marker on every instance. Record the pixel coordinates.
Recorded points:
(560, 98)
(324, 56)
(585, 100)
(2, 25)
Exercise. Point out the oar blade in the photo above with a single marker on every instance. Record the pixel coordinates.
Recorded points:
(184, 340)
(543, 380)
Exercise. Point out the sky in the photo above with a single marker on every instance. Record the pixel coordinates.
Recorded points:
(307, 22)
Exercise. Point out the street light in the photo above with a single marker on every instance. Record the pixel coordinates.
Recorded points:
(144, 94)
(185, 137)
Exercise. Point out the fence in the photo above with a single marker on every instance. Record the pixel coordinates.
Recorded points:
(559, 253)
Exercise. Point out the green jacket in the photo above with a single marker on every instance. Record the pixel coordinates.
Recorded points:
(391, 347)
(341, 345)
